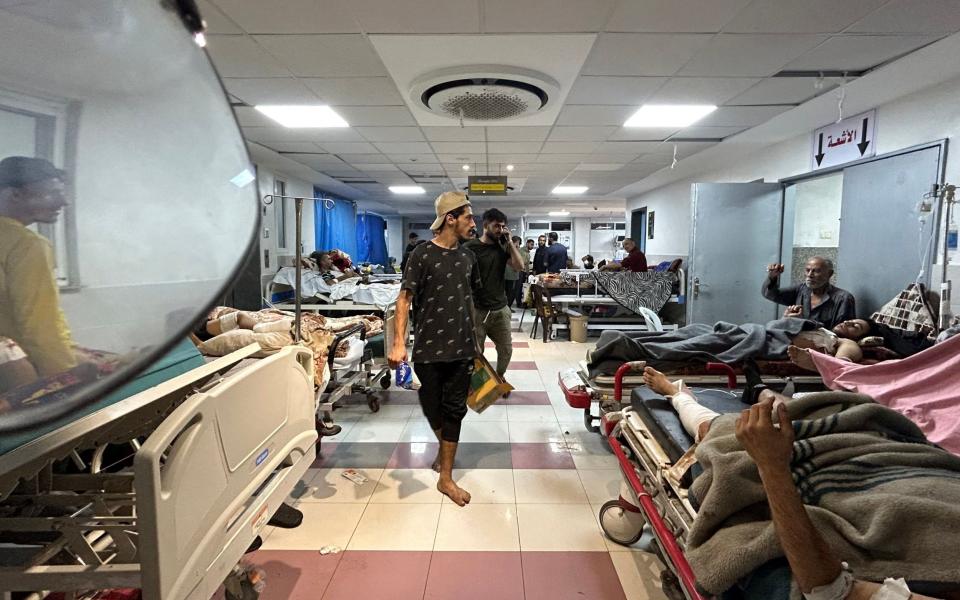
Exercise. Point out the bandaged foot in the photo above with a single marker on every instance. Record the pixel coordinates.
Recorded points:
(451, 490)
(223, 323)
(801, 357)
(658, 382)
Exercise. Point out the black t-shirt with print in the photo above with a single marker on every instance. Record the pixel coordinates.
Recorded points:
(492, 262)
(443, 282)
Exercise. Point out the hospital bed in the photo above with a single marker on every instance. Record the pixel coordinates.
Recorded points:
(217, 449)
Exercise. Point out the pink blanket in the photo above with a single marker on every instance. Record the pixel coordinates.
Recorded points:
(924, 387)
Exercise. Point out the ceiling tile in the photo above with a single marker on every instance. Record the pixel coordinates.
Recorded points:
(283, 134)
(642, 134)
(270, 91)
(731, 116)
(291, 16)
(732, 55)
(315, 159)
(513, 147)
(355, 91)
(324, 55)
(404, 147)
(216, 21)
(654, 158)
(356, 159)
(405, 160)
(716, 133)
(391, 134)
(458, 147)
(240, 56)
(292, 146)
(517, 134)
(857, 52)
(684, 149)
(600, 166)
(912, 16)
(454, 134)
(642, 53)
(809, 16)
(376, 168)
(595, 115)
(592, 89)
(249, 117)
(627, 147)
(701, 90)
(611, 157)
(417, 16)
(784, 90)
(515, 159)
(581, 134)
(348, 147)
(670, 16)
(509, 16)
(376, 116)
(573, 159)
(569, 147)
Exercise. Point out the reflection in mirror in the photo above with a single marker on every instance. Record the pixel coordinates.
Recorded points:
(126, 198)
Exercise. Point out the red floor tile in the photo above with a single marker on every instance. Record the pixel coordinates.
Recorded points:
(475, 576)
(515, 345)
(538, 398)
(541, 456)
(522, 365)
(294, 574)
(570, 576)
(413, 455)
(380, 576)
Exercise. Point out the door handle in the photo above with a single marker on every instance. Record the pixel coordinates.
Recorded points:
(696, 286)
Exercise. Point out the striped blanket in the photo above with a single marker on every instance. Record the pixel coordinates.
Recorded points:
(885, 500)
(637, 290)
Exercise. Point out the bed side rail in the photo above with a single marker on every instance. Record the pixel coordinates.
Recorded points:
(211, 475)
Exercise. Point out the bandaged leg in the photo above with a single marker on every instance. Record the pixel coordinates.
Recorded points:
(223, 323)
(695, 417)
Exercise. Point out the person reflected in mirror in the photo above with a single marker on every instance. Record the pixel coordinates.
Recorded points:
(816, 299)
(32, 191)
(635, 261)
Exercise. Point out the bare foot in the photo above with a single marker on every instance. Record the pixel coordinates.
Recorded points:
(451, 490)
(658, 382)
(801, 358)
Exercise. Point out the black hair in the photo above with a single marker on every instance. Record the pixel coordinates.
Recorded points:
(455, 213)
(516, 238)
(587, 258)
(529, 239)
(494, 215)
(413, 235)
(316, 254)
(553, 236)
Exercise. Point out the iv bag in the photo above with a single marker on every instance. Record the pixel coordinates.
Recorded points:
(127, 198)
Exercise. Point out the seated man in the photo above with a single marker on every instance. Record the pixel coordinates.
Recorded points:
(635, 260)
(816, 299)
(329, 271)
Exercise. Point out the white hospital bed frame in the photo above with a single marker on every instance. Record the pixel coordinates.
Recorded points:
(220, 456)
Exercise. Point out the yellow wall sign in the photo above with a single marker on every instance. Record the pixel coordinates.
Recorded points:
(487, 185)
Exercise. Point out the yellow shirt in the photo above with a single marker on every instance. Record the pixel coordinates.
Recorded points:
(30, 311)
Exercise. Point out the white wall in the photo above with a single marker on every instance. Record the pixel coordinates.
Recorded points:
(295, 187)
(817, 214)
(396, 238)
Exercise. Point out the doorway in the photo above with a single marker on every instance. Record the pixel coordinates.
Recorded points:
(638, 228)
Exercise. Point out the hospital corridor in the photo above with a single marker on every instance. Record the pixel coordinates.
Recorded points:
(479, 299)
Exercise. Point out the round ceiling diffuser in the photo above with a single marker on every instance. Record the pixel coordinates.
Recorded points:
(484, 94)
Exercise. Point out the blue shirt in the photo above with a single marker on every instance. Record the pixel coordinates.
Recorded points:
(556, 257)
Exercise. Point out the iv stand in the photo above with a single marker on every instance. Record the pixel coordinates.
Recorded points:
(947, 193)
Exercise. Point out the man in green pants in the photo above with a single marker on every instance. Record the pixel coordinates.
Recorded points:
(494, 251)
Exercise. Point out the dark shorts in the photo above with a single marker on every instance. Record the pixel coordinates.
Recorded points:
(444, 387)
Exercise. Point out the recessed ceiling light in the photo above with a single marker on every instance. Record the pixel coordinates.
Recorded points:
(465, 167)
(303, 115)
(407, 189)
(509, 167)
(559, 213)
(570, 189)
(669, 115)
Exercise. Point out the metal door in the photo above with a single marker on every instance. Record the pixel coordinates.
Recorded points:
(735, 234)
(882, 244)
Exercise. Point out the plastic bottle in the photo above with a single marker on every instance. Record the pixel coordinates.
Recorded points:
(404, 375)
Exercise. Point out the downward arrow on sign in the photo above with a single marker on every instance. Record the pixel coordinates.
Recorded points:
(864, 142)
(819, 155)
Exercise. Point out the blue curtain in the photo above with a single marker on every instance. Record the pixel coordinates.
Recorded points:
(335, 228)
(371, 240)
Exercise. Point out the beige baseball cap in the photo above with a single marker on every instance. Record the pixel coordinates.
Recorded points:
(445, 203)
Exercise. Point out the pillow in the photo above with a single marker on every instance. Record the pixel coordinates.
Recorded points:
(231, 341)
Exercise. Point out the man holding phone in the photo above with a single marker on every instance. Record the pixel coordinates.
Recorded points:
(494, 250)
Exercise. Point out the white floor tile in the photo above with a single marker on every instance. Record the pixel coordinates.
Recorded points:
(484, 432)
(329, 485)
(375, 430)
(559, 527)
(478, 527)
(411, 486)
(521, 413)
(486, 486)
(549, 486)
(525, 381)
(397, 527)
(639, 574)
(535, 432)
(323, 525)
(601, 484)
(418, 430)
(492, 413)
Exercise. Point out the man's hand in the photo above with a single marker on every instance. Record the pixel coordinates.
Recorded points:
(793, 311)
(766, 445)
(774, 270)
(397, 355)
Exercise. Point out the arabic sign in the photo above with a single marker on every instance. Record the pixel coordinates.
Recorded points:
(487, 185)
(850, 139)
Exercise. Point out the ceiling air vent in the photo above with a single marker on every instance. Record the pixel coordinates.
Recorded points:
(485, 93)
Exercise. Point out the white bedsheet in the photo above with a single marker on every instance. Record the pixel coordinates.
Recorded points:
(381, 295)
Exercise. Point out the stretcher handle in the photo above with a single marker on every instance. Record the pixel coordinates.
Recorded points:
(668, 542)
(627, 367)
(724, 368)
(332, 354)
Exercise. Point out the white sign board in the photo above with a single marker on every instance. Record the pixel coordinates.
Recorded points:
(846, 141)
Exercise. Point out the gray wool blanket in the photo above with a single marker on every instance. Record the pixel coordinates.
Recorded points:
(885, 500)
(722, 342)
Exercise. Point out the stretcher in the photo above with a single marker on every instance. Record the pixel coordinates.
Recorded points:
(216, 451)
(609, 392)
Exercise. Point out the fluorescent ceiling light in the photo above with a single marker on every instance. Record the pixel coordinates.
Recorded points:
(407, 189)
(509, 167)
(570, 189)
(465, 167)
(669, 115)
(303, 116)
(560, 213)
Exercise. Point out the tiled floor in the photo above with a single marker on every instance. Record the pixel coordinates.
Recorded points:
(537, 478)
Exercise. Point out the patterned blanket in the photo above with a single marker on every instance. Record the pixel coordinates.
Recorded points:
(637, 290)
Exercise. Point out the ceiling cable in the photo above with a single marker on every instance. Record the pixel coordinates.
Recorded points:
(674, 163)
(841, 98)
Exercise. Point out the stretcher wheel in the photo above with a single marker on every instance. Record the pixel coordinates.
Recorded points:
(621, 526)
(374, 403)
(385, 381)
